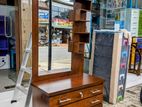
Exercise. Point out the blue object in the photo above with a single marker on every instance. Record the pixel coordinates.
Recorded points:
(4, 25)
(13, 59)
(3, 46)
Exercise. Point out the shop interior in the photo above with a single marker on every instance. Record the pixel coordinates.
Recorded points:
(7, 45)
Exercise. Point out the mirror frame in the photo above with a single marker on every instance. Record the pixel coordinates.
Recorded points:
(35, 33)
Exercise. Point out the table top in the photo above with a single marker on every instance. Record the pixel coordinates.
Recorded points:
(67, 84)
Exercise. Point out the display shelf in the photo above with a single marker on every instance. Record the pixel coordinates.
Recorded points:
(80, 15)
(84, 38)
(78, 47)
(84, 4)
(82, 21)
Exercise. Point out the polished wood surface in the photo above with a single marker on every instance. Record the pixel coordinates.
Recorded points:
(67, 83)
(69, 91)
(75, 96)
(35, 40)
(18, 34)
(95, 101)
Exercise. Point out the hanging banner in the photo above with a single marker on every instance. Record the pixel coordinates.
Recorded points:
(61, 23)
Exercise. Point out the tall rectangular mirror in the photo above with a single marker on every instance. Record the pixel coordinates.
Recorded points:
(53, 37)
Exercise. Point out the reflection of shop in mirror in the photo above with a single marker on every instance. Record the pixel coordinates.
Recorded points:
(58, 49)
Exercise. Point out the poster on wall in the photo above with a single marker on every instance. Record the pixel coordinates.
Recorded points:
(140, 23)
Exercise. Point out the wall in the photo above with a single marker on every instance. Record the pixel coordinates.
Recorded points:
(26, 24)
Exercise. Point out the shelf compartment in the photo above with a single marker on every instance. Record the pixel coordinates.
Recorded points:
(82, 37)
(80, 15)
(82, 21)
(84, 4)
(78, 47)
(82, 26)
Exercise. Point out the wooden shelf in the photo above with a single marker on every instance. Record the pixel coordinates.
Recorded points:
(82, 33)
(81, 15)
(84, 4)
(84, 10)
(78, 47)
(82, 20)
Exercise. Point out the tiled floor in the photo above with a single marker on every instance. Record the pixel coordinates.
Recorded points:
(5, 81)
(131, 98)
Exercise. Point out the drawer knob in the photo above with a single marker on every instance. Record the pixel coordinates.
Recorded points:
(96, 91)
(81, 94)
(96, 101)
(64, 101)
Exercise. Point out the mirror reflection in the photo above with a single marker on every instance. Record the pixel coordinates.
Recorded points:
(53, 39)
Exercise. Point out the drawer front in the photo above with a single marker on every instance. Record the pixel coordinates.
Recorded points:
(92, 91)
(90, 102)
(75, 96)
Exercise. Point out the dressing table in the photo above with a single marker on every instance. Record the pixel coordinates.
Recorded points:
(72, 88)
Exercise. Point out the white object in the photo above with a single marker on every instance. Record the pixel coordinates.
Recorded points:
(5, 62)
(132, 21)
(24, 69)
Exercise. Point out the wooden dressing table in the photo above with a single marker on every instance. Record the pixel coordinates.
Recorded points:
(67, 89)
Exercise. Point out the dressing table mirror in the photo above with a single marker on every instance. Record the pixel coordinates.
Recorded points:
(68, 85)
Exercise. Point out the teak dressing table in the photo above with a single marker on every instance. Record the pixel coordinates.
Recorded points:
(67, 89)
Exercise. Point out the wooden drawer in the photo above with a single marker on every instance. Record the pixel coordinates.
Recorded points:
(89, 92)
(90, 102)
(74, 96)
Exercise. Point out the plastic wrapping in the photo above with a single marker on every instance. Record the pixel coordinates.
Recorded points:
(103, 58)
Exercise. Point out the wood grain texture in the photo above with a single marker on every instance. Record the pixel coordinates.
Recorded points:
(95, 101)
(68, 90)
(18, 35)
(115, 67)
(34, 40)
(67, 83)
(76, 95)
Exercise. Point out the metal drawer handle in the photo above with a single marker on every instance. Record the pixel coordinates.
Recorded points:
(96, 101)
(81, 94)
(96, 91)
(64, 101)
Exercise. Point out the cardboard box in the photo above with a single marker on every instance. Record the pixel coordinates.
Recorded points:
(3, 2)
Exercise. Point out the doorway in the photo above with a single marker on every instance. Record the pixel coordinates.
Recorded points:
(9, 43)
